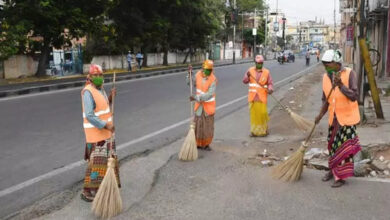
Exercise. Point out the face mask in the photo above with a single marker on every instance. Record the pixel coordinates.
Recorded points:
(330, 70)
(207, 72)
(259, 65)
(97, 81)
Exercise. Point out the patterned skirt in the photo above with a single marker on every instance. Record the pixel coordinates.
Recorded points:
(97, 156)
(343, 144)
(204, 129)
(259, 118)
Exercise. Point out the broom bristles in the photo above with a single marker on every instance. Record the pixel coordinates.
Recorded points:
(302, 123)
(189, 150)
(291, 169)
(108, 202)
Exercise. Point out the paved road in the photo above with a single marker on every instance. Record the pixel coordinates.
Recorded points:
(42, 133)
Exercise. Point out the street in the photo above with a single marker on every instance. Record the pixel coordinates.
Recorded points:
(230, 182)
(315, 146)
(44, 132)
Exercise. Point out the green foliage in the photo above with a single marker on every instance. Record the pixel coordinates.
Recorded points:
(249, 38)
(249, 5)
(159, 25)
(49, 23)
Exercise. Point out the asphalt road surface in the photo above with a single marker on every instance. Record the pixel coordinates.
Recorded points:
(42, 140)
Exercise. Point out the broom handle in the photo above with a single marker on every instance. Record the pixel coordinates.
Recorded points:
(190, 76)
(112, 114)
(283, 106)
(314, 126)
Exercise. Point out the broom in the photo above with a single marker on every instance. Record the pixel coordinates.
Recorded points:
(301, 122)
(189, 150)
(108, 202)
(291, 169)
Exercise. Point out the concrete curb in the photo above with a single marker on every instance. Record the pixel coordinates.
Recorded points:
(120, 77)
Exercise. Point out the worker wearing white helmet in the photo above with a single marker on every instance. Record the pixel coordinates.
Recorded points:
(340, 94)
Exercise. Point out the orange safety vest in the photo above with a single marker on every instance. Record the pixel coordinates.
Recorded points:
(203, 87)
(102, 110)
(347, 111)
(260, 87)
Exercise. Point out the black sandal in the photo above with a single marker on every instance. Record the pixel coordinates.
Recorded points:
(327, 176)
(86, 198)
(338, 183)
(207, 148)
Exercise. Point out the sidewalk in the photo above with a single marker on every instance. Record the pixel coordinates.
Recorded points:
(79, 80)
(230, 182)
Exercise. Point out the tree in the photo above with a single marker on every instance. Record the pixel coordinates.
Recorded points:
(51, 23)
(163, 25)
(248, 36)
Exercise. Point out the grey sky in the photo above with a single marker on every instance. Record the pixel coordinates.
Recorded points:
(303, 10)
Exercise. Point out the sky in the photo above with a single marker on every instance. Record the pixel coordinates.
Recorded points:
(304, 10)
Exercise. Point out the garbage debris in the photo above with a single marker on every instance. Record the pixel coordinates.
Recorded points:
(316, 153)
(267, 163)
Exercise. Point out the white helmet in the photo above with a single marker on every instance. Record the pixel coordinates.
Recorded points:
(332, 56)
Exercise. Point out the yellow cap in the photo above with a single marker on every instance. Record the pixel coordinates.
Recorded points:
(208, 64)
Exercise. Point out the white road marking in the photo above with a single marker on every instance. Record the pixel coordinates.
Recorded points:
(79, 163)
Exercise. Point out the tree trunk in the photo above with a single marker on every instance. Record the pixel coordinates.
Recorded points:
(145, 60)
(188, 53)
(41, 71)
(165, 58)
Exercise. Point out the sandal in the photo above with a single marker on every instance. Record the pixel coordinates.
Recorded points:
(86, 198)
(327, 176)
(207, 148)
(338, 183)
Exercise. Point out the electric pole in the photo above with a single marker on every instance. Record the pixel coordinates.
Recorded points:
(266, 33)
(334, 30)
(234, 32)
(283, 35)
(254, 35)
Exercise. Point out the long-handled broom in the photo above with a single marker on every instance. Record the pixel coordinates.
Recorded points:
(108, 202)
(301, 122)
(189, 150)
(291, 169)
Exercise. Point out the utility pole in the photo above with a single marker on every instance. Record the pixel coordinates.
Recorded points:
(254, 35)
(368, 65)
(234, 32)
(283, 33)
(242, 36)
(334, 28)
(266, 33)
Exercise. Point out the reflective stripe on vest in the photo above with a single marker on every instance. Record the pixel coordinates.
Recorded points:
(102, 110)
(201, 89)
(255, 88)
(347, 111)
